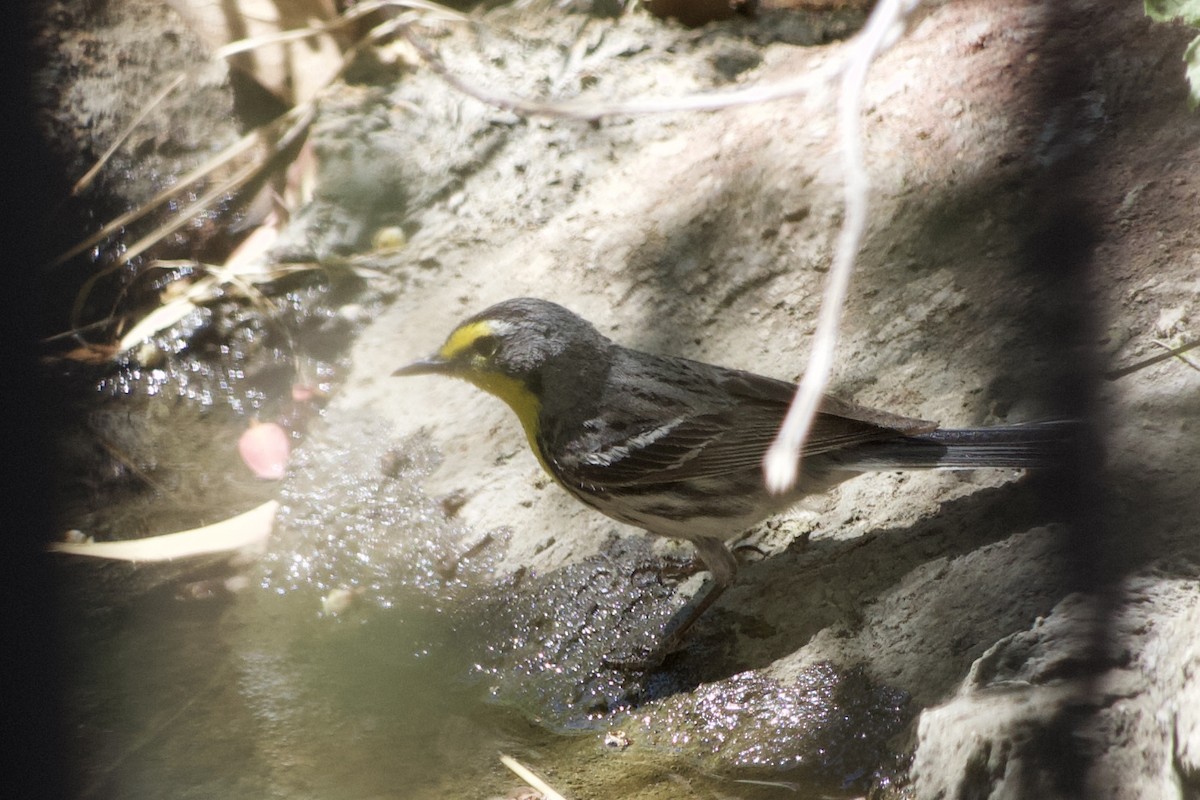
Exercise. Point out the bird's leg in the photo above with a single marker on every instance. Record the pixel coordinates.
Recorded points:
(679, 625)
(723, 568)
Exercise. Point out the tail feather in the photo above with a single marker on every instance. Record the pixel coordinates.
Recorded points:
(1027, 446)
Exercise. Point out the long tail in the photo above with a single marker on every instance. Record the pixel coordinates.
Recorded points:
(1032, 445)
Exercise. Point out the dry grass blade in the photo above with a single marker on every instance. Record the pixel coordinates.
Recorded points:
(300, 117)
(248, 530)
(169, 313)
(216, 284)
(240, 147)
(295, 123)
(350, 15)
(91, 174)
(530, 777)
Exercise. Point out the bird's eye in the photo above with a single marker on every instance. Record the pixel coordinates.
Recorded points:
(486, 346)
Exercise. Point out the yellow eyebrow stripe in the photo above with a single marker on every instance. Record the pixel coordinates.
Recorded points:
(463, 338)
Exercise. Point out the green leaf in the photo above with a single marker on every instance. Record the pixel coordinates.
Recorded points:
(1191, 57)
(1189, 12)
(1167, 10)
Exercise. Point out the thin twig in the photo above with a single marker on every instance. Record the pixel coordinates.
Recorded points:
(1171, 352)
(590, 110)
(530, 777)
(781, 465)
(1178, 353)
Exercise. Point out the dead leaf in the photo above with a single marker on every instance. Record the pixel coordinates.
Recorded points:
(292, 70)
(245, 531)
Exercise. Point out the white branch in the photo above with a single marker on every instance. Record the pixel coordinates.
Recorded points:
(781, 465)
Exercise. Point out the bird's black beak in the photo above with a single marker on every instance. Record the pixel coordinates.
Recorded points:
(434, 365)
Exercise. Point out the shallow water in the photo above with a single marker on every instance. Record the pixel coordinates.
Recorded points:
(187, 699)
(261, 694)
(220, 680)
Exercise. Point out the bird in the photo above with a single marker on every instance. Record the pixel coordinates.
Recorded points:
(675, 446)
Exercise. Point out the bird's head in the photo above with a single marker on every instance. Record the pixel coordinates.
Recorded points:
(511, 348)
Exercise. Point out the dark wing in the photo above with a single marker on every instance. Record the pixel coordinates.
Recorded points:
(701, 438)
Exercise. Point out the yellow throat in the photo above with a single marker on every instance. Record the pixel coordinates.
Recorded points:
(524, 403)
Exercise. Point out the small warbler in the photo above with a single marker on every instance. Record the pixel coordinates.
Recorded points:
(675, 446)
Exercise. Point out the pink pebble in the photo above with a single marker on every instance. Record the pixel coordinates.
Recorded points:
(264, 446)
